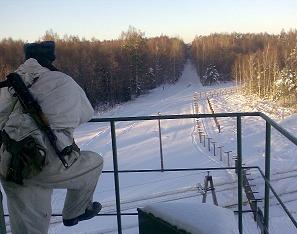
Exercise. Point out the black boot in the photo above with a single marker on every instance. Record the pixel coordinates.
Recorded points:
(90, 212)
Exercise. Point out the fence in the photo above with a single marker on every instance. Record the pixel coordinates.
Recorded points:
(217, 92)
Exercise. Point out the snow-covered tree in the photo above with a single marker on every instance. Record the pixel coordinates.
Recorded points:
(211, 75)
(286, 85)
(292, 59)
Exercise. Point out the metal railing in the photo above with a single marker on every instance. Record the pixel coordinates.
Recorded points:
(269, 123)
(239, 168)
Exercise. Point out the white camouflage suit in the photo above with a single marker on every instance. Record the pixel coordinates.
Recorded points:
(66, 106)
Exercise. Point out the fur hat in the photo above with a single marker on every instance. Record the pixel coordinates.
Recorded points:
(40, 51)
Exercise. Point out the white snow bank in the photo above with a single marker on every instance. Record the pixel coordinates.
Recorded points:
(195, 218)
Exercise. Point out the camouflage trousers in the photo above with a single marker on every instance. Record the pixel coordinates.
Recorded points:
(29, 205)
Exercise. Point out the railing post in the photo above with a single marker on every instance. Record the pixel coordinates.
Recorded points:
(200, 136)
(160, 141)
(228, 157)
(221, 153)
(239, 173)
(214, 148)
(116, 175)
(267, 174)
(208, 138)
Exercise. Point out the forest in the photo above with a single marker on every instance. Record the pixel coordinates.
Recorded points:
(115, 71)
(112, 71)
(262, 64)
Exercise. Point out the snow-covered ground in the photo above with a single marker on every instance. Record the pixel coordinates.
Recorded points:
(138, 148)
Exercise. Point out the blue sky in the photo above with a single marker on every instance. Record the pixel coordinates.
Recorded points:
(106, 19)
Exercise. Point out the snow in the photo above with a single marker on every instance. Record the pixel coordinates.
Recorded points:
(138, 148)
(196, 218)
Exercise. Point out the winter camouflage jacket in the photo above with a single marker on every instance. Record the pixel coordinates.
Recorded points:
(62, 101)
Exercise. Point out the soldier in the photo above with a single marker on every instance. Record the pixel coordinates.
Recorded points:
(40, 170)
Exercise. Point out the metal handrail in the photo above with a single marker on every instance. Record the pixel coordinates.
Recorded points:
(184, 116)
(239, 167)
(267, 182)
(269, 123)
(279, 128)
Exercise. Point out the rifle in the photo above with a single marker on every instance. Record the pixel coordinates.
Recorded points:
(2, 219)
(32, 107)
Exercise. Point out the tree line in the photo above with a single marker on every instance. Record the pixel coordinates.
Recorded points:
(115, 71)
(263, 64)
(110, 71)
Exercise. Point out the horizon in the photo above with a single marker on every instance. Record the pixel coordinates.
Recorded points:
(105, 20)
(144, 36)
